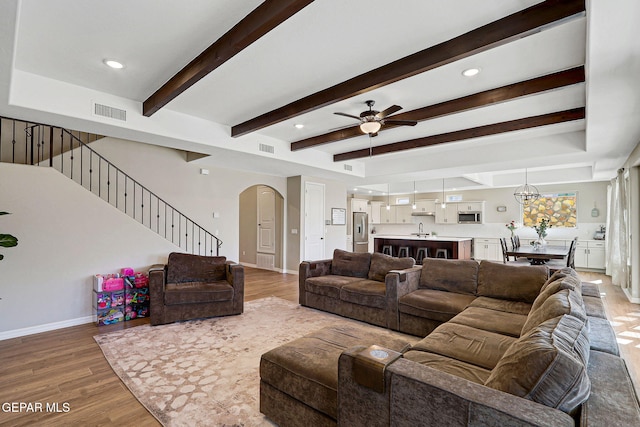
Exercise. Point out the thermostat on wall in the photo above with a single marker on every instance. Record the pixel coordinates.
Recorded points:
(501, 208)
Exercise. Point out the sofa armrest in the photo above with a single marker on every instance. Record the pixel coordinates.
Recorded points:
(157, 275)
(418, 395)
(311, 269)
(235, 277)
(399, 283)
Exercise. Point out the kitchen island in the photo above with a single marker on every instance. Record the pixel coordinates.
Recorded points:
(457, 247)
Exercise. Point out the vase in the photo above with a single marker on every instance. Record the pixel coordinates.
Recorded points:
(541, 241)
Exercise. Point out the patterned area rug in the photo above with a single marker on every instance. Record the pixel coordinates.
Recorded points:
(205, 372)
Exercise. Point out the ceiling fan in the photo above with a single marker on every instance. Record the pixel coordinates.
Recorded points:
(371, 120)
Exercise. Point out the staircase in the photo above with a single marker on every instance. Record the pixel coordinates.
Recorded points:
(69, 153)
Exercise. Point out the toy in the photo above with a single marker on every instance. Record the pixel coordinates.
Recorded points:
(103, 300)
(117, 299)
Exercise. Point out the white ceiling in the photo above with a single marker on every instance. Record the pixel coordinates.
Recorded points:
(51, 70)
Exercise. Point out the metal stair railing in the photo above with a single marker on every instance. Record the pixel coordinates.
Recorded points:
(64, 150)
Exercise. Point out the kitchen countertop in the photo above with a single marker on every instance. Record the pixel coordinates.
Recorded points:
(422, 238)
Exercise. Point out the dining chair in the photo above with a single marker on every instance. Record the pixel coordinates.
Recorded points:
(557, 264)
(505, 258)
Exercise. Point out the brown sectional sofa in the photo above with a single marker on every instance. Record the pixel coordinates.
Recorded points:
(360, 286)
(502, 345)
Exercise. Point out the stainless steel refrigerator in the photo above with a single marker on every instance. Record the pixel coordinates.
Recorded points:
(360, 232)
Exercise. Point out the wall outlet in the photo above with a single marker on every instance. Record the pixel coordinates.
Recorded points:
(294, 231)
(244, 253)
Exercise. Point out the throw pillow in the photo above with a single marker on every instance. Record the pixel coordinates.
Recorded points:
(567, 282)
(547, 365)
(381, 264)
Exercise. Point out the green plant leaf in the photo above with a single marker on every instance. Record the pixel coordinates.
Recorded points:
(5, 213)
(8, 241)
(1, 257)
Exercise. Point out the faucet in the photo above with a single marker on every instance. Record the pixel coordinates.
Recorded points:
(419, 228)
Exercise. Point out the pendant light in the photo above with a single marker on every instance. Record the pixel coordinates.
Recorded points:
(388, 191)
(444, 203)
(414, 206)
(526, 193)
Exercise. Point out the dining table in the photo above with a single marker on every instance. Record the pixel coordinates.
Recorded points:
(539, 254)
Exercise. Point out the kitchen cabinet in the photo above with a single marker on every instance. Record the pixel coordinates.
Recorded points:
(470, 206)
(448, 215)
(425, 206)
(359, 205)
(590, 254)
(387, 216)
(374, 218)
(487, 248)
(403, 214)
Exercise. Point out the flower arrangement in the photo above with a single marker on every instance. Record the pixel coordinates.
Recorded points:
(511, 226)
(542, 227)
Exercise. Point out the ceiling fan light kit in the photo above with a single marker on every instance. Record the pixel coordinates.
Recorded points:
(371, 121)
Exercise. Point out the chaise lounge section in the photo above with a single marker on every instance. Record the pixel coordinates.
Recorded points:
(524, 349)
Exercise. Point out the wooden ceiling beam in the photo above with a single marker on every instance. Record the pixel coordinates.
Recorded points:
(494, 34)
(256, 24)
(460, 135)
(481, 99)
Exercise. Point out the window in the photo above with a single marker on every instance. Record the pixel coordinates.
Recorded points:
(402, 201)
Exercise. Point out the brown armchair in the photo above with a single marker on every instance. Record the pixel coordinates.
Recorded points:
(194, 286)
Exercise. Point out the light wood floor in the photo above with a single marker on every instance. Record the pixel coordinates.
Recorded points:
(67, 366)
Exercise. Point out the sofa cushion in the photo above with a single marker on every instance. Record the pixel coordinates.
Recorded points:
(547, 365)
(328, 286)
(381, 264)
(594, 307)
(370, 293)
(566, 272)
(557, 285)
(195, 268)
(516, 283)
(467, 344)
(590, 289)
(197, 292)
(562, 302)
(433, 304)
(516, 307)
(350, 263)
(602, 337)
(455, 367)
(459, 276)
(500, 322)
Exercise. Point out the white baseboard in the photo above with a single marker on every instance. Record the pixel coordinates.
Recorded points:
(46, 327)
(634, 300)
(278, 270)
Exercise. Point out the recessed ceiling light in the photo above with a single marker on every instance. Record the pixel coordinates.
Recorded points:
(355, 189)
(113, 64)
(471, 72)
(298, 125)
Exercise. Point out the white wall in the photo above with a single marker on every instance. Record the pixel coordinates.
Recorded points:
(65, 235)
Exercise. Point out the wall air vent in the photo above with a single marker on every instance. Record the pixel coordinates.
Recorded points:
(348, 168)
(110, 112)
(266, 148)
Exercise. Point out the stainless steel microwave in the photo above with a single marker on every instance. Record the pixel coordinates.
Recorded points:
(470, 217)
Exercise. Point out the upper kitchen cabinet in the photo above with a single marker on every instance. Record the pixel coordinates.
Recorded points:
(448, 215)
(375, 212)
(359, 205)
(425, 207)
(403, 214)
(470, 206)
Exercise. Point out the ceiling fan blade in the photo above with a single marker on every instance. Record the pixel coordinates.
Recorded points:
(401, 122)
(384, 113)
(348, 115)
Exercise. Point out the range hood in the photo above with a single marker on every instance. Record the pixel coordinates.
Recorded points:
(423, 213)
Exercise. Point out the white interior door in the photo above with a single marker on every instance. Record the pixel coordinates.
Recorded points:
(313, 221)
(266, 219)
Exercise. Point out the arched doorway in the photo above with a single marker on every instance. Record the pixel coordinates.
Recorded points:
(261, 228)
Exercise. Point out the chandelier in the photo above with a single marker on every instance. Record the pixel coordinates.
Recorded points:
(526, 193)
